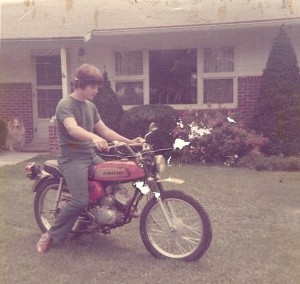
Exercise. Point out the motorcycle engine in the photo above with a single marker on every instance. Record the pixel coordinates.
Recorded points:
(123, 198)
(105, 213)
(111, 208)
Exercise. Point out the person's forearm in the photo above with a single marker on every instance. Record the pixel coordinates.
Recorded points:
(111, 135)
(79, 133)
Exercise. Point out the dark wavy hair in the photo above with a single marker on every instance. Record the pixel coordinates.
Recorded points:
(86, 75)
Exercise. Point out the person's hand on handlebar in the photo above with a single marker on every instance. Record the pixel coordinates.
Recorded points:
(100, 143)
(137, 140)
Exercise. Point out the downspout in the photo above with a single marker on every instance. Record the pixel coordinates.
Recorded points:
(64, 71)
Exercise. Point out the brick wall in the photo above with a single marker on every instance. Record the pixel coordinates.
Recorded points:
(248, 89)
(16, 100)
(53, 139)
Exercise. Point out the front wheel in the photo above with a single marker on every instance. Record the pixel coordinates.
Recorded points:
(190, 234)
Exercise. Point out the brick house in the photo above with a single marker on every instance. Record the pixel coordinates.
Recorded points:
(191, 54)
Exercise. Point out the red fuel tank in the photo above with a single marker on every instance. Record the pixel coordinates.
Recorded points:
(123, 170)
(96, 190)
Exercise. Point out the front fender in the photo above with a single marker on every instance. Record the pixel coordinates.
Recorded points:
(172, 180)
(40, 179)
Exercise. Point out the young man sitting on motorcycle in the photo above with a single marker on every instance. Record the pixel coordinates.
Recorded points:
(78, 121)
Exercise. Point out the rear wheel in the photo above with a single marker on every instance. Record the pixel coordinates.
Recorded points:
(45, 210)
(190, 235)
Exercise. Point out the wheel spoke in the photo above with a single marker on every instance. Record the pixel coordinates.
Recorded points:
(158, 223)
(155, 232)
(180, 247)
(193, 229)
(190, 240)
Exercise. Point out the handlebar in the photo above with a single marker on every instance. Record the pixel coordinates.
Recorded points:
(144, 145)
(116, 144)
(128, 147)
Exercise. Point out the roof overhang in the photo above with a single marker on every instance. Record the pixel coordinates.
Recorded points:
(53, 39)
(193, 28)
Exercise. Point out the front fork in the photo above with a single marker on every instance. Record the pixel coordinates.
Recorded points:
(157, 189)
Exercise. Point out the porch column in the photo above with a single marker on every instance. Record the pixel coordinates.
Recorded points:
(64, 71)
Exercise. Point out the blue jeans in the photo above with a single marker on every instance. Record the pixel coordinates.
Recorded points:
(75, 171)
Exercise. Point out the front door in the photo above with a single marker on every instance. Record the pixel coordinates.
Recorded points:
(48, 92)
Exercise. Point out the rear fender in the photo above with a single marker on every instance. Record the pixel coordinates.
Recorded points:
(40, 180)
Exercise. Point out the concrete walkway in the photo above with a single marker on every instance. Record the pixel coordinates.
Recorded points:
(12, 158)
(28, 152)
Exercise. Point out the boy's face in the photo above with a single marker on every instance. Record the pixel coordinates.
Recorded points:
(91, 91)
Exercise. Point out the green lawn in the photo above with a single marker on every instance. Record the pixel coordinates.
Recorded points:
(256, 235)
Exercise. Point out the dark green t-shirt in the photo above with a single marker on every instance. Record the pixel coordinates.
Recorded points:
(85, 114)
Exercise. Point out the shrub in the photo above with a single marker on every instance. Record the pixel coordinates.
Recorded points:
(108, 105)
(3, 133)
(216, 138)
(260, 162)
(136, 123)
(278, 109)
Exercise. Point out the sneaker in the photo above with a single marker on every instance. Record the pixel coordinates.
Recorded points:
(44, 243)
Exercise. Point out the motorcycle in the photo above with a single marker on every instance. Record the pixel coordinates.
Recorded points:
(173, 224)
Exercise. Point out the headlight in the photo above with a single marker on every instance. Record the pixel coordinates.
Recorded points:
(160, 163)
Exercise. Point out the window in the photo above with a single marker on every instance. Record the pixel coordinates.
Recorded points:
(173, 76)
(47, 102)
(218, 60)
(218, 76)
(129, 63)
(129, 77)
(203, 77)
(218, 91)
(130, 93)
(48, 70)
(48, 84)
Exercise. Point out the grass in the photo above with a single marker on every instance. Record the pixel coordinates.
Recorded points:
(260, 162)
(255, 219)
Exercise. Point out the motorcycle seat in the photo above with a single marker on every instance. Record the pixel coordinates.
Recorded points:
(51, 167)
